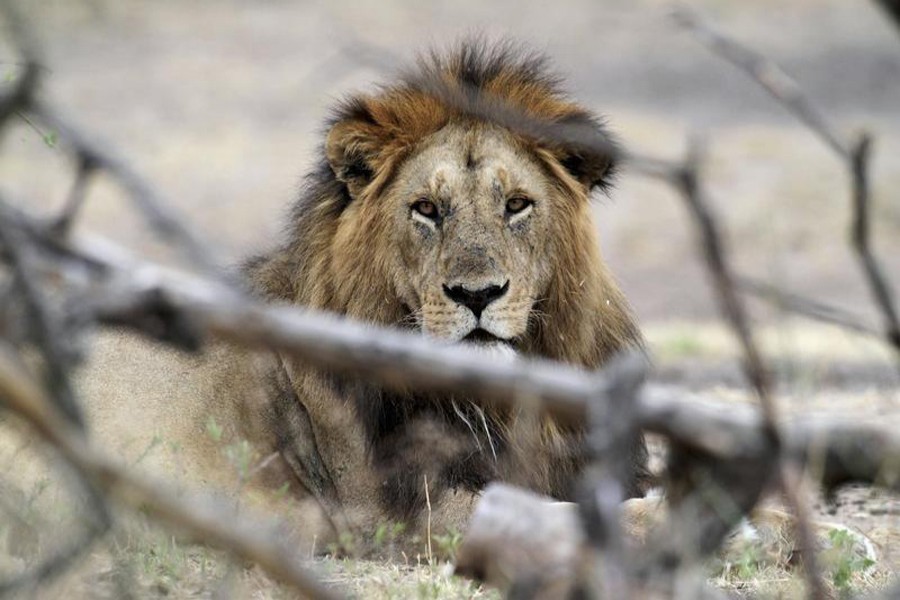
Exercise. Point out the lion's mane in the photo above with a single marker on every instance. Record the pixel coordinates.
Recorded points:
(584, 318)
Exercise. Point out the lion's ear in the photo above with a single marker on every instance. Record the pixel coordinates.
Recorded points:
(352, 148)
(587, 151)
(593, 170)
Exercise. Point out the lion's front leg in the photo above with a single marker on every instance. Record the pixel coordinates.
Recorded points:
(431, 477)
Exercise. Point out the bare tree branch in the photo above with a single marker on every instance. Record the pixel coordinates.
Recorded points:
(860, 234)
(86, 168)
(806, 307)
(155, 210)
(43, 323)
(765, 72)
(611, 440)
(892, 9)
(670, 173)
(733, 311)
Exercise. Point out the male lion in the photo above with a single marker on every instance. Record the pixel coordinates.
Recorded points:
(455, 202)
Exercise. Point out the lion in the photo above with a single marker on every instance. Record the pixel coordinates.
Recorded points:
(454, 202)
(434, 210)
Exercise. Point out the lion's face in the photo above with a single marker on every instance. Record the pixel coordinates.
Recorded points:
(469, 210)
(464, 214)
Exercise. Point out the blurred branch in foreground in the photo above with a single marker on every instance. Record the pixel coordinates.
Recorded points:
(892, 9)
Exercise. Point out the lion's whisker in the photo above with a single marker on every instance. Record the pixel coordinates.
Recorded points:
(460, 414)
(487, 430)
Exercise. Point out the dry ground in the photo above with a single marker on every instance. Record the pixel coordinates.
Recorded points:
(219, 103)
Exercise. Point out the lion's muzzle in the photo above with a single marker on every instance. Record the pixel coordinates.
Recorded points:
(476, 300)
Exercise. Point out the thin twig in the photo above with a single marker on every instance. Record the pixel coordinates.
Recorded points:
(20, 95)
(63, 223)
(428, 522)
(155, 209)
(34, 126)
(670, 173)
(861, 238)
(806, 307)
(733, 311)
(42, 320)
(729, 303)
(765, 72)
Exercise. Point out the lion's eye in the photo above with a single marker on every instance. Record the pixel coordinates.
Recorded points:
(426, 208)
(517, 204)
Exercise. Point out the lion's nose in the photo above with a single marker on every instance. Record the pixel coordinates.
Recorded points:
(476, 300)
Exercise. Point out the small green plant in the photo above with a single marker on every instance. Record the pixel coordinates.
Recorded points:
(156, 441)
(213, 429)
(49, 137)
(345, 545)
(744, 561)
(240, 454)
(386, 534)
(282, 491)
(448, 543)
(748, 562)
(844, 560)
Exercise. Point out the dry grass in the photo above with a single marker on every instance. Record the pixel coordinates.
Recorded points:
(139, 560)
